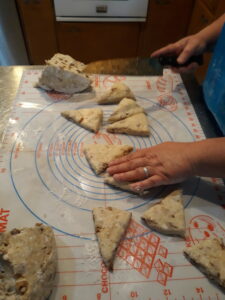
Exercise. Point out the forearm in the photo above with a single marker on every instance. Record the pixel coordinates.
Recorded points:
(210, 33)
(208, 157)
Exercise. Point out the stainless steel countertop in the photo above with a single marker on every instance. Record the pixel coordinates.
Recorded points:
(9, 83)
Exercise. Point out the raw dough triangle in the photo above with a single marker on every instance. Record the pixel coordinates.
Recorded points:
(99, 155)
(116, 93)
(89, 118)
(209, 256)
(123, 185)
(134, 125)
(110, 227)
(126, 108)
(167, 216)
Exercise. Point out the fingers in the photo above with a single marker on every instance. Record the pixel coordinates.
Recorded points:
(187, 52)
(148, 183)
(188, 69)
(167, 50)
(127, 165)
(118, 161)
(133, 175)
(138, 153)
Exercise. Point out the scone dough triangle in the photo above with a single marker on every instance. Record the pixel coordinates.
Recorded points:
(110, 227)
(209, 256)
(116, 93)
(134, 125)
(122, 185)
(89, 118)
(167, 216)
(100, 155)
(126, 108)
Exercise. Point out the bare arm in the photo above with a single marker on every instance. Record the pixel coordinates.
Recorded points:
(171, 162)
(211, 32)
(208, 158)
(194, 44)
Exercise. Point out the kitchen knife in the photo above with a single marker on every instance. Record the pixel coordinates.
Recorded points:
(136, 66)
(126, 66)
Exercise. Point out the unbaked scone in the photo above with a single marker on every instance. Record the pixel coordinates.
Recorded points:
(27, 263)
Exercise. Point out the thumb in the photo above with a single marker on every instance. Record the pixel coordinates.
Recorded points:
(185, 55)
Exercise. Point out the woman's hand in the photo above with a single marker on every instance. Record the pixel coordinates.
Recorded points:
(184, 49)
(166, 163)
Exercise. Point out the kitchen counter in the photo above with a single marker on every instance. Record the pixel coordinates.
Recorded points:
(10, 79)
(9, 83)
(43, 181)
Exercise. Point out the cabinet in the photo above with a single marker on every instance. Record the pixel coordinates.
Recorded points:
(201, 17)
(95, 41)
(212, 5)
(167, 21)
(38, 23)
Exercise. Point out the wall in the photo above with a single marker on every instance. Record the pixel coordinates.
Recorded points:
(12, 49)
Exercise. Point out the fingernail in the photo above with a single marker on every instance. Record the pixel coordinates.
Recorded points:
(136, 189)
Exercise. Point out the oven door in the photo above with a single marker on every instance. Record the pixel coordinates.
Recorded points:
(101, 10)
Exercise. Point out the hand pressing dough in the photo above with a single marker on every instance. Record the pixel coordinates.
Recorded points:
(100, 155)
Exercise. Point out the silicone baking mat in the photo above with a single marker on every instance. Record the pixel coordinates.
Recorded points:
(45, 178)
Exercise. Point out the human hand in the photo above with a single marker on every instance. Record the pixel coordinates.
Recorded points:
(167, 163)
(184, 49)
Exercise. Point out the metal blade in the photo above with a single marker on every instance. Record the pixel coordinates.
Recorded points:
(126, 66)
